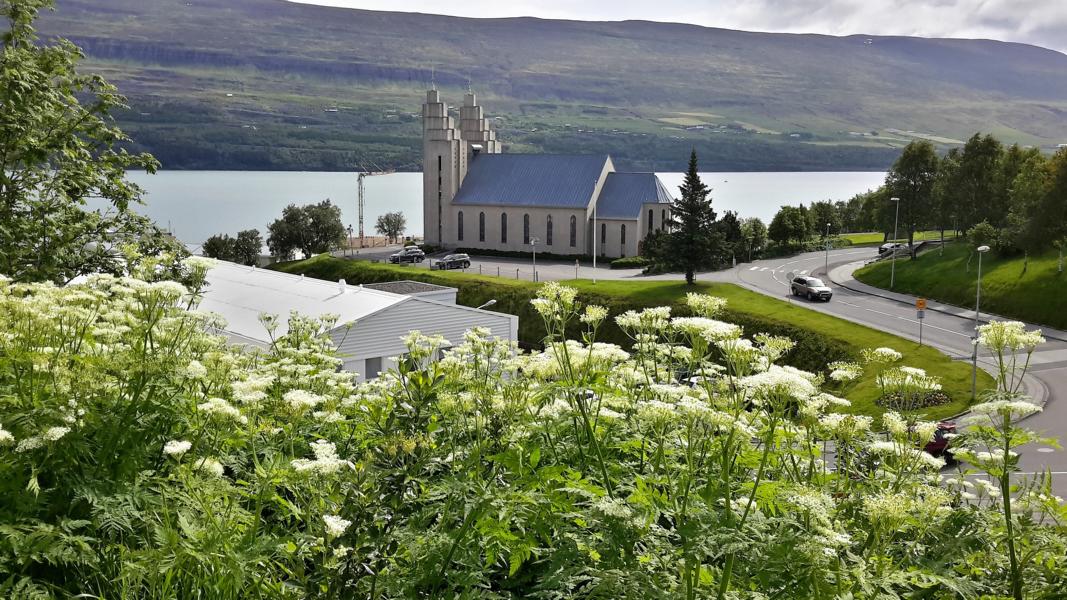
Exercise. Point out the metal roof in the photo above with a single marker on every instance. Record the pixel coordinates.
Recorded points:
(406, 287)
(624, 193)
(531, 180)
(240, 294)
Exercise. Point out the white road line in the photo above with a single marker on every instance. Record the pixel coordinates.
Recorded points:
(804, 272)
(754, 269)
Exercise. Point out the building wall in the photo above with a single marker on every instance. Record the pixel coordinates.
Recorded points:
(609, 240)
(561, 218)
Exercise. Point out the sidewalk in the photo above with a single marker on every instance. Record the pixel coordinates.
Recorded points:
(842, 276)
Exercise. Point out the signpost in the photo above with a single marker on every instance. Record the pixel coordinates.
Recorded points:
(920, 313)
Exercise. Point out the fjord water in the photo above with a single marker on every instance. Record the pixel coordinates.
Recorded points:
(198, 204)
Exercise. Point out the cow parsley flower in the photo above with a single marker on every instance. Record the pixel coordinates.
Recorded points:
(302, 399)
(704, 305)
(881, 355)
(335, 526)
(326, 460)
(53, 434)
(176, 447)
(222, 408)
(194, 370)
(710, 329)
(6, 439)
(594, 315)
(1009, 336)
(210, 466)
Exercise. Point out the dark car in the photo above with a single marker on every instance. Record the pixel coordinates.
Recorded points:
(410, 254)
(453, 261)
(939, 446)
(811, 287)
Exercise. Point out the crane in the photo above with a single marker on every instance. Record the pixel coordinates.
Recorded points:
(363, 174)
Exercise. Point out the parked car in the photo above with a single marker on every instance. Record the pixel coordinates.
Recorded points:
(811, 287)
(939, 446)
(411, 254)
(885, 249)
(453, 261)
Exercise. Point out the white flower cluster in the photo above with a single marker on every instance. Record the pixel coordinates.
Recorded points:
(1012, 409)
(302, 399)
(881, 355)
(781, 382)
(335, 526)
(908, 380)
(1009, 336)
(704, 305)
(711, 330)
(650, 320)
(843, 371)
(176, 447)
(220, 407)
(326, 460)
(253, 390)
(195, 370)
(594, 315)
(210, 466)
(6, 438)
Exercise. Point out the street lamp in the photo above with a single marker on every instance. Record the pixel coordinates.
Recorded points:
(826, 265)
(348, 243)
(896, 222)
(487, 304)
(974, 340)
(533, 248)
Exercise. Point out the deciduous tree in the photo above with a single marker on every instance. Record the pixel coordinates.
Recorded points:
(391, 225)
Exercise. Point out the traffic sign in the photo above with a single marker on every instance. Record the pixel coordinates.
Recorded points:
(920, 304)
(920, 314)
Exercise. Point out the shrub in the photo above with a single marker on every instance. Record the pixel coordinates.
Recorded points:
(145, 458)
(630, 262)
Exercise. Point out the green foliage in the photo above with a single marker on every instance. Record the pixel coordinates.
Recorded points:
(630, 262)
(59, 147)
(911, 179)
(753, 236)
(391, 225)
(692, 238)
(789, 225)
(311, 229)
(144, 458)
(244, 249)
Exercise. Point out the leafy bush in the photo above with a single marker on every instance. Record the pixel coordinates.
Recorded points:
(630, 262)
(144, 458)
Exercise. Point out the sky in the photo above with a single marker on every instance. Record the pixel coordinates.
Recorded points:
(1038, 22)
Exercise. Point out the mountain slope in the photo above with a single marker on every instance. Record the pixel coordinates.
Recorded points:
(750, 100)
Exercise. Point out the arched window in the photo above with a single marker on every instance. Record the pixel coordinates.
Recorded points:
(574, 231)
(663, 221)
(526, 229)
(481, 227)
(622, 241)
(459, 226)
(503, 228)
(603, 234)
(548, 231)
(651, 226)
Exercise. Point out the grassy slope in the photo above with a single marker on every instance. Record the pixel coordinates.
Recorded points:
(1031, 292)
(821, 338)
(876, 237)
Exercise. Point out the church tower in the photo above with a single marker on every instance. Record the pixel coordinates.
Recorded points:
(474, 128)
(444, 164)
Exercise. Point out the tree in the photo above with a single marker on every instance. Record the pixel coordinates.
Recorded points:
(219, 246)
(788, 225)
(693, 239)
(58, 147)
(729, 229)
(391, 225)
(821, 213)
(912, 180)
(754, 233)
(972, 185)
(311, 229)
(247, 247)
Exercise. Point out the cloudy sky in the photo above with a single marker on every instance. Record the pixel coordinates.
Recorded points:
(1039, 22)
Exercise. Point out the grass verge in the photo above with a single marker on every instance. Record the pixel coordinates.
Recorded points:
(877, 237)
(820, 338)
(1030, 290)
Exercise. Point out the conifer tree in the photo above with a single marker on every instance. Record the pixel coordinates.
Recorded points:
(693, 237)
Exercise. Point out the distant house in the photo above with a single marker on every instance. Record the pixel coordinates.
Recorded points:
(379, 318)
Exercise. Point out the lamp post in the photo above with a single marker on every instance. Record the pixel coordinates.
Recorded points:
(348, 242)
(488, 304)
(533, 248)
(826, 264)
(896, 222)
(974, 340)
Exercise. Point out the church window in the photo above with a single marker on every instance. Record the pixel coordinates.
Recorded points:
(459, 226)
(503, 228)
(481, 227)
(574, 231)
(548, 231)
(526, 229)
(663, 221)
(603, 234)
(622, 235)
(651, 226)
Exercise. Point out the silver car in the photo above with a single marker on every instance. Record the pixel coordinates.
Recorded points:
(811, 288)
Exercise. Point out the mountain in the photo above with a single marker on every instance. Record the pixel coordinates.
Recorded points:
(269, 84)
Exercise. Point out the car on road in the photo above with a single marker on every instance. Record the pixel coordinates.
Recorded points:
(453, 261)
(939, 446)
(811, 288)
(411, 254)
(885, 249)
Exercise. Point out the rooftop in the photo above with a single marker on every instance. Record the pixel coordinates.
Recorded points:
(624, 193)
(550, 180)
(406, 287)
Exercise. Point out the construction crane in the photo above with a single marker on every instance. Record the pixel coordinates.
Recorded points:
(363, 174)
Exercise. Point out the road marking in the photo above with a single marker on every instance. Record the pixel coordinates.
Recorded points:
(804, 272)
(1046, 449)
(754, 269)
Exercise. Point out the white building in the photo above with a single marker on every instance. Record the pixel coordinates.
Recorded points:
(476, 197)
(379, 318)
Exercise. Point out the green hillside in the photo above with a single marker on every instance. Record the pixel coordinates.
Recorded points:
(269, 84)
(1031, 290)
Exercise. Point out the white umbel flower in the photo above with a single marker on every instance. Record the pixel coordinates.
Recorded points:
(176, 447)
(335, 526)
(209, 466)
(54, 434)
(6, 439)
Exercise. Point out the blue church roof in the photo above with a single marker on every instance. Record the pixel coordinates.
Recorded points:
(531, 180)
(624, 193)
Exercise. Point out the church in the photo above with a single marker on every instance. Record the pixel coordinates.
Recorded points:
(476, 197)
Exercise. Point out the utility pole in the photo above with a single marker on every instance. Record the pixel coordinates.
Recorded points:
(363, 174)
(974, 340)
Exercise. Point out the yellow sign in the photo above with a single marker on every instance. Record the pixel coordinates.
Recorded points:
(920, 304)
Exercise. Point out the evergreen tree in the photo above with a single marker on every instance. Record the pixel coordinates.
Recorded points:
(693, 240)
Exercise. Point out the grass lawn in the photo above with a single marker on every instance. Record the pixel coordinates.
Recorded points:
(821, 338)
(1032, 291)
(876, 237)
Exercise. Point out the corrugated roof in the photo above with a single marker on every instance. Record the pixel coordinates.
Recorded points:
(624, 193)
(531, 180)
(240, 294)
(406, 287)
